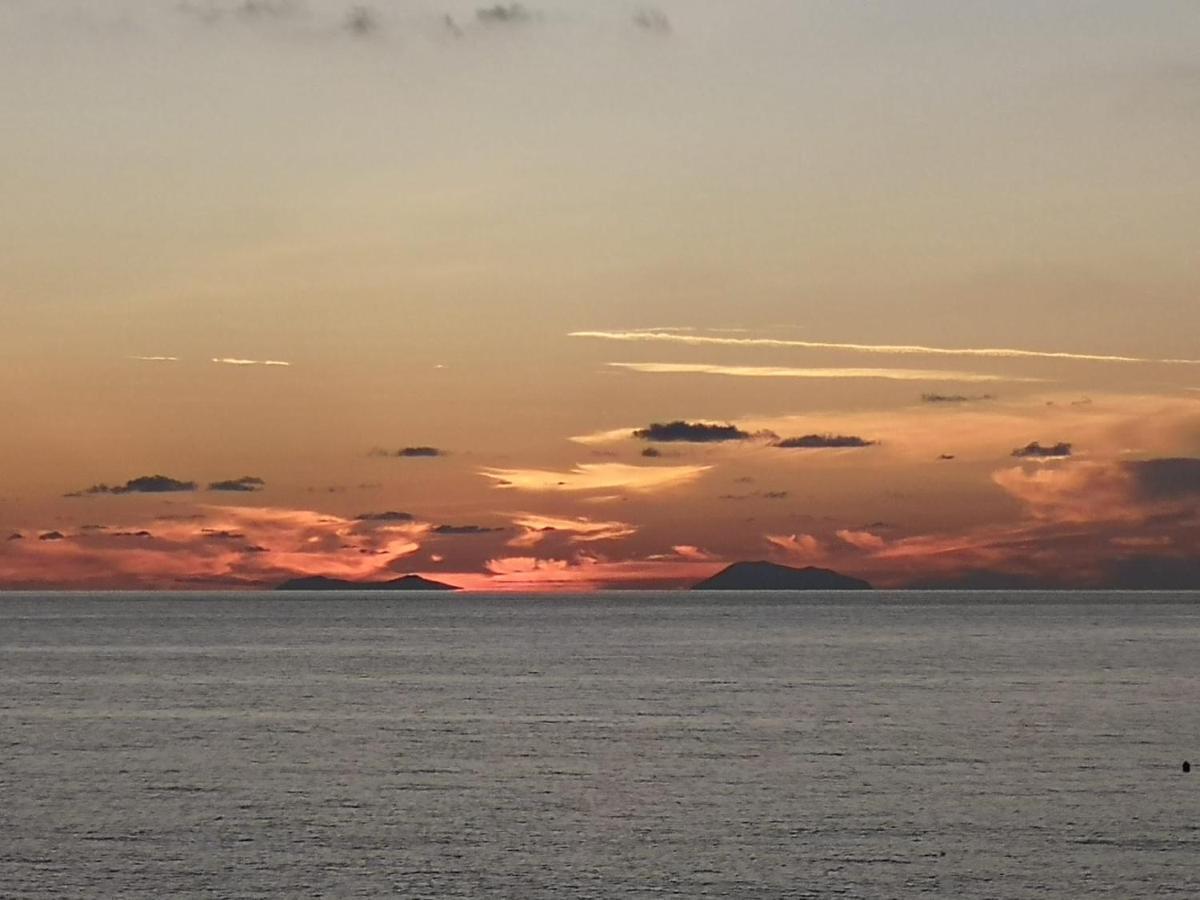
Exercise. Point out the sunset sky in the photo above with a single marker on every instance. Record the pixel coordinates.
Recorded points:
(406, 287)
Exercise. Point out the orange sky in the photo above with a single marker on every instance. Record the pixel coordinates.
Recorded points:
(277, 244)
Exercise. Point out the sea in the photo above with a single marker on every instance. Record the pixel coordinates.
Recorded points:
(613, 745)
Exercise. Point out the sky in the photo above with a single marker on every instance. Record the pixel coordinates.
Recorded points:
(573, 295)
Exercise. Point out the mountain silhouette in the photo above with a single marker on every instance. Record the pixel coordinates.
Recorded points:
(406, 583)
(766, 576)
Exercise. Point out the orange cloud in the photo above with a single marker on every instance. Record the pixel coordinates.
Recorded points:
(597, 476)
(537, 527)
(229, 545)
(687, 551)
(797, 546)
(863, 540)
(658, 368)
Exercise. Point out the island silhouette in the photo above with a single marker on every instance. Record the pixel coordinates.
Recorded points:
(767, 576)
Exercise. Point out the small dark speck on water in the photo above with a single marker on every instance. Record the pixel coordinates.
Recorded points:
(1187, 767)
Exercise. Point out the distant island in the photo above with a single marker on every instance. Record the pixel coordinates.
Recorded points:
(406, 583)
(766, 576)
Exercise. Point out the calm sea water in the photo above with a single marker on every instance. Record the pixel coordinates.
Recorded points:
(641, 745)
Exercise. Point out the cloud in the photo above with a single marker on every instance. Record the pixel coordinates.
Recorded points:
(577, 530)
(145, 484)
(361, 21)
(384, 517)
(824, 441)
(892, 349)
(658, 368)
(245, 484)
(688, 551)
(211, 12)
(409, 452)
(690, 432)
(863, 540)
(1035, 450)
(596, 476)
(955, 398)
(1080, 493)
(1165, 479)
(651, 453)
(216, 534)
(230, 361)
(1136, 491)
(233, 545)
(797, 546)
(756, 495)
(504, 14)
(586, 571)
(155, 358)
(51, 536)
(653, 21)
(464, 529)
(16, 536)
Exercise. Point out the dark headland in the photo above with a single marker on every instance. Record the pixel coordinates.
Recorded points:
(406, 583)
(765, 576)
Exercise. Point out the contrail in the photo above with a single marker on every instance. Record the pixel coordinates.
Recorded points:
(899, 349)
(658, 368)
(228, 361)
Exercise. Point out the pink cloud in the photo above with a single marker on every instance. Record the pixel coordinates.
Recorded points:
(863, 540)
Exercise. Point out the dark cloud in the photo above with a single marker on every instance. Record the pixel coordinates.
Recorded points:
(385, 517)
(986, 580)
(145, 484)
(651, 453)
(361, 21)
(409, 452)
(756, 495)
(51, 536)
(214, 534)
(1035, 450)
(131, 534)
(955, 398)
(16, 536)
(1165, 479)
(824, 441)
(255, 548)
(245, 484)
(1154, 573)
(946, 456)
(690, 432)
(652, 20)
(464, 529)
(211, 12)
(504, 14)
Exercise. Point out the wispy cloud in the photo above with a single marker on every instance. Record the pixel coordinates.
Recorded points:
(797, 547)
(893, 349)
(596, 476)
(660, 368)
(155, 358)
(232, 361)
(537, 528)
